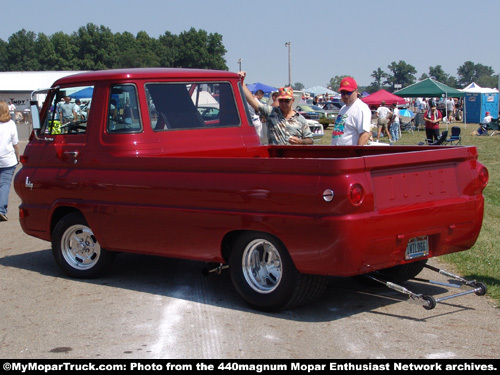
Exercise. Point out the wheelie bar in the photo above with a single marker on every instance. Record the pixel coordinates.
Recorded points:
(429, 302)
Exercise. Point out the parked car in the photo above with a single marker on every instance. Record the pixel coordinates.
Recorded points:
(333, 106)
(323, 113)
(307, 112)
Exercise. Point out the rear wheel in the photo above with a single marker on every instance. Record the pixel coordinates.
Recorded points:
(264, 275)
(76, 249)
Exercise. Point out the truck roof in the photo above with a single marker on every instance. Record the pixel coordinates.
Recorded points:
(145, 73)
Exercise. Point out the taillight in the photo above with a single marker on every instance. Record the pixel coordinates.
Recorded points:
(357, 194)
(483, 177)
(23, 159)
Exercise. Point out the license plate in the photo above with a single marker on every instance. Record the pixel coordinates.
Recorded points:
(417, 247)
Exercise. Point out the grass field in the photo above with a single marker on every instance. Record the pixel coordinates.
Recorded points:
(482, 262)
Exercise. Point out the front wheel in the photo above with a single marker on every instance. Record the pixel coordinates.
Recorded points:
(263, 273)
(76, 249)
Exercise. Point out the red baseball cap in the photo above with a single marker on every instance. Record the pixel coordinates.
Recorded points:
(348, 84)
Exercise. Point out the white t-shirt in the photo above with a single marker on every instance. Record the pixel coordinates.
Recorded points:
(486, 119)
(395, 116)
(352, 121)
(8, 138)
(383, 112)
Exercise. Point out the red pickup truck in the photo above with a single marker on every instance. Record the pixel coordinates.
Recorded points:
(166, 162)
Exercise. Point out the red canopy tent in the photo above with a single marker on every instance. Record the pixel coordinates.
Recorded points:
(382, 95)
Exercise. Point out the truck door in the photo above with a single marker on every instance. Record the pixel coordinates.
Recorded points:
(54, 160)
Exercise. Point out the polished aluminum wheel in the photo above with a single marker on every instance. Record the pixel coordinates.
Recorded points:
(79, 247)
(261, 265)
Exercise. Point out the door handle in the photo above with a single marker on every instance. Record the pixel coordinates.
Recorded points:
(74, 154)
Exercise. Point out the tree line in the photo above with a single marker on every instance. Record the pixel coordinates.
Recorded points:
(403, 74)
(95, 47)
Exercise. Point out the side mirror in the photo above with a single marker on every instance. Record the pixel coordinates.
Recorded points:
(35, 115)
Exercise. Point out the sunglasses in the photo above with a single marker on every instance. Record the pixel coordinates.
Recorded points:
(348, 93)
(284, 100)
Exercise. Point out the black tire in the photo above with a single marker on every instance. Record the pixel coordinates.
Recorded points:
(403, 272)
(264, 275)
(76, 249)
(431, 302)
(396, 274)
(482, 289)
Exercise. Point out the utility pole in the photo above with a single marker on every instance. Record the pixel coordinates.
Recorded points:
(289, 44)
(239, 63)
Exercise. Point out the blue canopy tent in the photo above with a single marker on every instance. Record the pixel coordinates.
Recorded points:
(260, 86)
(85, 93)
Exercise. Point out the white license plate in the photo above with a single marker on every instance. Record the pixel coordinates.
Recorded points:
(417, 247)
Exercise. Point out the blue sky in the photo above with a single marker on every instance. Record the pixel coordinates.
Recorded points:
(328, 38)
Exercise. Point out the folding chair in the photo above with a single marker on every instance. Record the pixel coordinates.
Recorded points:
(493, 125)
(455, 137)
(440, 140)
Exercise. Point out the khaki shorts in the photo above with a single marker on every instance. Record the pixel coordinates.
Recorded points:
(382, 122)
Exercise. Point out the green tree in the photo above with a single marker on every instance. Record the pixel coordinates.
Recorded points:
(45, 51)
(3, 55)
(402, 73)
(167, 49)
(96, 48)
(197, 49)
(65, 49)
(438, 74)
(470, 72)
(21, 52)
(298, 86)
(147, 48)
(128, 55)
(378, 75)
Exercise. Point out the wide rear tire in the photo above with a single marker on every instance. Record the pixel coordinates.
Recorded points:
(264, 275)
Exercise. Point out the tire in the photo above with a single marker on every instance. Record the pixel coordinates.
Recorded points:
(396, 274)
(264, 275)
(76, 250)
(403, 272)
(431, 302)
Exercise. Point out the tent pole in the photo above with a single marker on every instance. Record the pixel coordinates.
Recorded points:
(446, 109)
(465, 111)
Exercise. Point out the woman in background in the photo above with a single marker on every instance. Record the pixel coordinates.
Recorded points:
(9, 156)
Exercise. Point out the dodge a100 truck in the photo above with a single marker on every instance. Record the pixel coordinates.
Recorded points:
(166, 162)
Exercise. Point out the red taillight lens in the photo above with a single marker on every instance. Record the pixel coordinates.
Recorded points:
(483, 176)
(357, 194)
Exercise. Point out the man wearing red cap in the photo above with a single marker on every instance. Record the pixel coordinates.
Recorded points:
(353, 123)
(487, 118)
(284, 125)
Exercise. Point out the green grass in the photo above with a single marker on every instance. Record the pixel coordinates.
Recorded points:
(482, 262)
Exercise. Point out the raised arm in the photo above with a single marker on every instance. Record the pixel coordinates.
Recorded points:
(248, 94)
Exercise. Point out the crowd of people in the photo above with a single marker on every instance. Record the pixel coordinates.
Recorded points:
(284, 126)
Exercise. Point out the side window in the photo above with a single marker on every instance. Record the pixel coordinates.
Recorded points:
(196, 105)
(69, 111)
(123, 110)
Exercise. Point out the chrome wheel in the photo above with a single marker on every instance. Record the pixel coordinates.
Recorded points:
(261, 266)
(79, 247)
